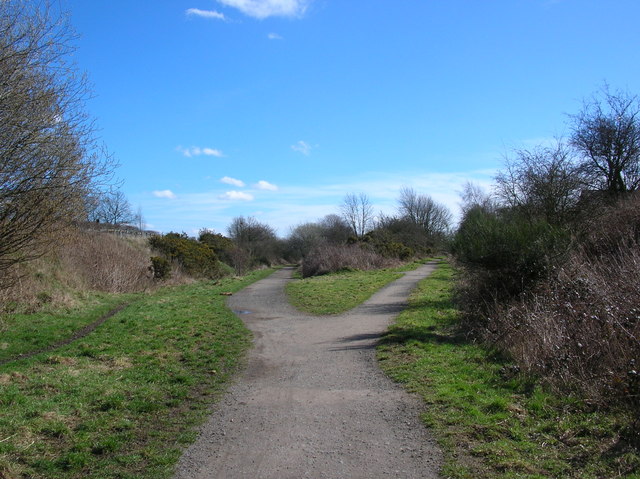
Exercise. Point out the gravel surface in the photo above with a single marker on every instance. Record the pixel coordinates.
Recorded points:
(312, 401)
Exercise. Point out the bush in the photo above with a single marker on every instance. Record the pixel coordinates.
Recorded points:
(197, 259)
(508, 253)
(578, 328)
(332, 258)
(220, 244)
(161, 267)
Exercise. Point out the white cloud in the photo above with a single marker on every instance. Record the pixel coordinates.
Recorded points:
(236, 195)
(197, 151)
(265, 185)
(274, 36)
(302, 147)
(164, 194)
(232, 181)
(212, 14)
(269, 8)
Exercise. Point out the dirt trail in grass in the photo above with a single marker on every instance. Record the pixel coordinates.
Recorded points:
(81, 333)
(312, 401)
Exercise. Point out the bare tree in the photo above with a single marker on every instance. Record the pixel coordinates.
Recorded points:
(112, 207)
(304, 238)
(257, 239)
(473, 196)
(541, 183)
(606, 133)
(48, 154)
(422, 210)
(357, 211)
(334, 229)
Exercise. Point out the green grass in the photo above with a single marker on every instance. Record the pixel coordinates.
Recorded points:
(490, 423)
(23, 333)
(337, 292)
(122, 402)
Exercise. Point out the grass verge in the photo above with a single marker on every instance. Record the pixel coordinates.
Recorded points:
(337, 292)
(123, 401)
(491, 423)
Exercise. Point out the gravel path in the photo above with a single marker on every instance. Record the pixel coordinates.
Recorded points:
(312, 401)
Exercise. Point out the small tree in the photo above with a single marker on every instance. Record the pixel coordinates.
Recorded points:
(542, 183)
(606, 133)
(334, 229)
(357, 212)
(433, 217)
(112, 207)
(48, 156)
(257, 239)
(304, 238)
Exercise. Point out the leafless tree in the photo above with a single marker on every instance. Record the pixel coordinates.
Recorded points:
(474, 196)
(257, 239)
(424, 211)
(334, 229)
(543, 182)
(606, 133)
(48, 153)
(112, 207)
(304, 238)
(357, 211)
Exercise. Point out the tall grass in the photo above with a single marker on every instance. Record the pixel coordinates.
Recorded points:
(83, 263)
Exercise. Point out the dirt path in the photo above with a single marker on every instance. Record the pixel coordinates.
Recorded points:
(312, 402)
(81, 333)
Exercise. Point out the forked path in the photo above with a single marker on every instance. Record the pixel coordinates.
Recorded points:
(312, 401)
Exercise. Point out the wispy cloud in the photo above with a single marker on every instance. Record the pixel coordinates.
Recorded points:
(197, 151)
(274, 36)
(211, 14)
(269, 8)
(295, 204)
(265, 185)
(302, 147)
(232, 181)
(164, 194)
(236, 195)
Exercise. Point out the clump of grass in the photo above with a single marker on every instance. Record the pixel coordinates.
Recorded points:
(491, 421)
(337, 292)
(122, 402)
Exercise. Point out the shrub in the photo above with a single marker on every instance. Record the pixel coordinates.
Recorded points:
(332, 258)
(578, 328)
(220, 244)
(161, 267)
(508, 253)
(197, 259)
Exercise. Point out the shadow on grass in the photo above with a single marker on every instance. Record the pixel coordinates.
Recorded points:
(424, 334)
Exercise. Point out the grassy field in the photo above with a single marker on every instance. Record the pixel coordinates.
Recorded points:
(490, 422)
(340, 292)
(121, 402)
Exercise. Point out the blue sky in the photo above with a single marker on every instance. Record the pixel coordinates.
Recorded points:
(278, 108)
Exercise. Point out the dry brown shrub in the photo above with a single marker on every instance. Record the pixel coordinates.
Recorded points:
(332, 258)
(580, 330)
